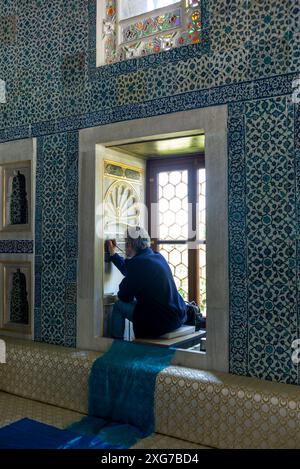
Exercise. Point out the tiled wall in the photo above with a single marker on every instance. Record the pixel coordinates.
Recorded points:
(264, 230)
(249, 60)
(56, 239)
(47, 52)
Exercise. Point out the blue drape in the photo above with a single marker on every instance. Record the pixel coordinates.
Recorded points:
(121, 404)
(121, 392)
(29, 434)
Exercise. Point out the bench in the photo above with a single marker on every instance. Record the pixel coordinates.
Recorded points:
(193, 408)
(184, 342)
(49, 383)
(184, 337)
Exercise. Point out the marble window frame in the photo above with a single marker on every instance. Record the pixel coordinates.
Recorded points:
(139, 63)
(213, 121)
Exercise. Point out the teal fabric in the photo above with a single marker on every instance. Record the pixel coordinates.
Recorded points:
(29, 434)
(121, 404)
(121, 393)
(87, 426)
(113, 435)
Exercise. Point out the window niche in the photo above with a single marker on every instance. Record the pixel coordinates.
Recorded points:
(127, 30)
(16, 197)
(213, 122)
(16, 302)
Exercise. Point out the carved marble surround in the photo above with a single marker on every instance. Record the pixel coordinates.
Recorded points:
(93, 145)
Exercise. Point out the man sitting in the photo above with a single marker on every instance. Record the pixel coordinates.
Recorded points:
(147, 295)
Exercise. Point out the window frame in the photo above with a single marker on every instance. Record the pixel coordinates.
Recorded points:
(213, 121)
(191, 163)
(101, 59)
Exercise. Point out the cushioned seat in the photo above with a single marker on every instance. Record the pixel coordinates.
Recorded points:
(13, 408)
(49, 384)
(193, 408)
(185, 337)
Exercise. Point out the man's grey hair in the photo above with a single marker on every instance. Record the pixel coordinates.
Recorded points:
(138, 238)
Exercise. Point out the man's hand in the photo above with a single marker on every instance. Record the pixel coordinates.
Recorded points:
(111, 244)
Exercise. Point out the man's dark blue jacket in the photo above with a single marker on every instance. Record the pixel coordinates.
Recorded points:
(148, 279)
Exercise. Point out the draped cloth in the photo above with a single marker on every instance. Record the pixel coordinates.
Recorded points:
(121, 392)
(29, 434)
(120, 402)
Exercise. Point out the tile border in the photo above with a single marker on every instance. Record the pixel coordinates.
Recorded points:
(238, 92)
(16, 246)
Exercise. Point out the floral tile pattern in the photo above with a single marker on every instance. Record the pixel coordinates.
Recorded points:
(56, 239)
(263, 239)
(16, 247)
(248, 60)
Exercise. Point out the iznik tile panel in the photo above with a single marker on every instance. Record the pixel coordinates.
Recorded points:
(248, 59)
(56, 239)
(264, 201)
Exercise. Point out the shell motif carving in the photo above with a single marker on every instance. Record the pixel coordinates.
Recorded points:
(121, 207)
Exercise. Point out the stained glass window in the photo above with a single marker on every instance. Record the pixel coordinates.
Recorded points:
(141, 27)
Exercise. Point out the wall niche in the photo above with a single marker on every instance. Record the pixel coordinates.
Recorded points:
(16, 210)
(15, 290)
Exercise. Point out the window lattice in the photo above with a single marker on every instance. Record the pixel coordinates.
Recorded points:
(177, 258)
(173, 224)
(173, 205)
